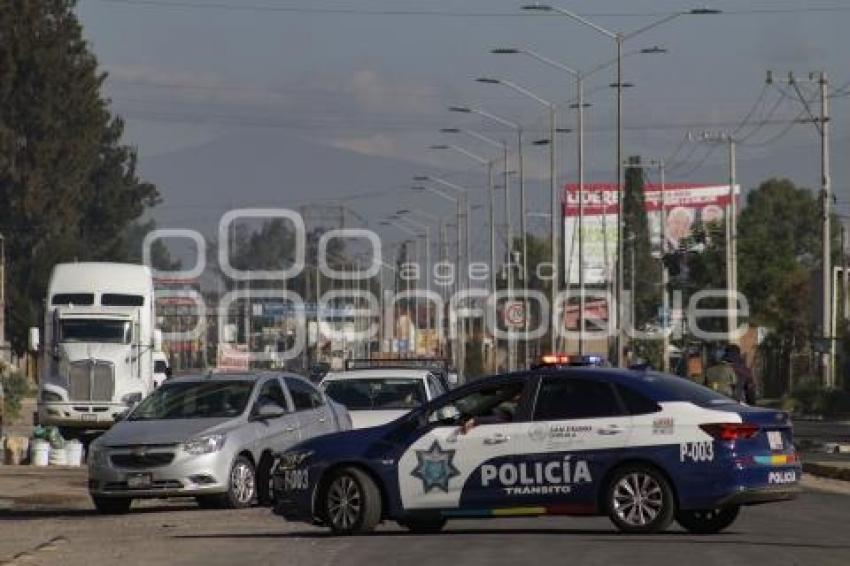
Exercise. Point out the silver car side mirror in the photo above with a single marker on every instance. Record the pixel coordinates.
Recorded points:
(268, 411)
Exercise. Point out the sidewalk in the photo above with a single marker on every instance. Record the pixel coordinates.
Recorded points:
(832, 466)
(43, 488)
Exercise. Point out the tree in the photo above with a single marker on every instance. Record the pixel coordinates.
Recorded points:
(779, 250)
(779, 238)
(133, 239)
(68, 188)
(646, 294)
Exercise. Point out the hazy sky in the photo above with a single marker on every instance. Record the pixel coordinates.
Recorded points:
(374, 77)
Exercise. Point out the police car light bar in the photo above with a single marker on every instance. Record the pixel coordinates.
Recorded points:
(554, 359)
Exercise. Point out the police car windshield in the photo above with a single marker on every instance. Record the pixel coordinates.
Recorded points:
(377, 393)
(670, 388)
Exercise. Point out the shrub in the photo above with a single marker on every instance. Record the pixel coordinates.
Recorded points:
(15, 387)
(810, 398)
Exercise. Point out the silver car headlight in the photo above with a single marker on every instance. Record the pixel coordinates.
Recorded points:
(293, 459)
(205, 444)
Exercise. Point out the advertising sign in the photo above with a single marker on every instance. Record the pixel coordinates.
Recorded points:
(685, 206)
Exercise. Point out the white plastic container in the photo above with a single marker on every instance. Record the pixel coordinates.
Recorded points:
(73, 453)
(40, 452)
(57, 456)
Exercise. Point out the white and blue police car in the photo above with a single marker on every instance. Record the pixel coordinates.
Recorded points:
(642, 448)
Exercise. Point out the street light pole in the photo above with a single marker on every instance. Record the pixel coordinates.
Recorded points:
(619, 38)
(522, 204)
(462, 202)
(553, 190)
(488, 163)
(427, 230)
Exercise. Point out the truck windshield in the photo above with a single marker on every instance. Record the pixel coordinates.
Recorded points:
(376, 394)
(95, 330)
(195, 400)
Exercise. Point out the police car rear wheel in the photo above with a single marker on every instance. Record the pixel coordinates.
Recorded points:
(352, 502)
(640, 500)
(707, 521)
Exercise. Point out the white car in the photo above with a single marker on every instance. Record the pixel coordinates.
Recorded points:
(160, 368)
(377, 396)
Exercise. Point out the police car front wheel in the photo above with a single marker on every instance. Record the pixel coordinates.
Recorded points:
(352, 502)
(640, 499)
(707, 521)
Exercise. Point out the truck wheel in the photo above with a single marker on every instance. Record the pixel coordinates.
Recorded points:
(112, 505)
(351, 502)
(640, 500)
(707, 521)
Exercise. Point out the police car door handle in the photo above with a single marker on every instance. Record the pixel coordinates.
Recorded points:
(497, 438)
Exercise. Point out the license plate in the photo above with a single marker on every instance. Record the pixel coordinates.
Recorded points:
(295, 479)
(138, 481)
(774, 438)
(89, 417)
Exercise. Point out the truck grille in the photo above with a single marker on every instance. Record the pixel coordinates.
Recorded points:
(92, 380)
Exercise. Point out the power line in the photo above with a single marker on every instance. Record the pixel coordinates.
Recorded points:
(225, 6)
(753, 109)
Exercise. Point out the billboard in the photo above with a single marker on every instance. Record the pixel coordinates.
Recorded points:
(685, 206)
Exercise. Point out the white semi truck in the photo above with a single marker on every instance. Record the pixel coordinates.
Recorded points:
(97, 356)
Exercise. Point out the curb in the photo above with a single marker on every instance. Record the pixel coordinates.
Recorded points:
(827, 471)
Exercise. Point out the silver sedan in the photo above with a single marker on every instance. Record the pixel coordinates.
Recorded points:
(209, 436)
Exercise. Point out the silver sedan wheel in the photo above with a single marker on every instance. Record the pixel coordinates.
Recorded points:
(638, 499)
(345, 502)
(242, 483)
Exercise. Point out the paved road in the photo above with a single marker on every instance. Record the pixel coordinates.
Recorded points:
(812, 530)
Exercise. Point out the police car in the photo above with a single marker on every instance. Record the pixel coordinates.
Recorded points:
(640, 447)
(378, 396)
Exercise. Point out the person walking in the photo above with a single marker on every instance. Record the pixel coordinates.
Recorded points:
(745, 381)
(721, 376)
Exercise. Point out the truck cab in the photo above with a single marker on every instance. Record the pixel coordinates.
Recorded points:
(97, 357)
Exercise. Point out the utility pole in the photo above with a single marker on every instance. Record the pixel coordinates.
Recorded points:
(844, 280)
(492, 200)
(730, 229)
(557, 319)
(732, 244)
(509, 247)
(821, 123)
(826, 197)
(580, 159)
(2, 296)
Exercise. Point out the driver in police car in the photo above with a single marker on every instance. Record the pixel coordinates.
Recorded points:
(502, 413)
